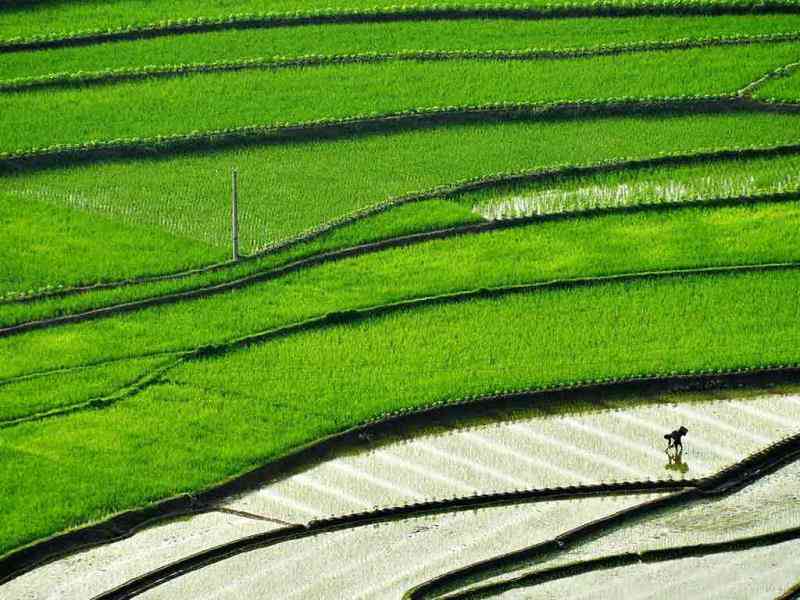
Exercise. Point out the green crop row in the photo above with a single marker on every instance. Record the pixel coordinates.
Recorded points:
(220, 417)
(111, 76)
(233, 100)
(188, 194)
(22, 27)
(538, 252)
(390, 37)
(567, 191)
(163, 146)
(50, 242)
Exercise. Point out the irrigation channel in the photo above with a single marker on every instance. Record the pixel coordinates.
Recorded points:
(425, 498)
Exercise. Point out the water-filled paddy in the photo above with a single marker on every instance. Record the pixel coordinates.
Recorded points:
(536, 449)
(593, 439)
(86, 574)
(757, 574)
(382, 561)
(686, 184)
(769, 505)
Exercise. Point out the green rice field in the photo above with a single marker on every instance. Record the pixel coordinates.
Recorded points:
(273, 271)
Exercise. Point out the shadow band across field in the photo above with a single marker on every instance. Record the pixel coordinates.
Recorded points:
(393, 14)
(129, 522)
(112, 76)
(62, 155)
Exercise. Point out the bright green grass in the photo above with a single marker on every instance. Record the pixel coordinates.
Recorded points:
(708, 180)
(782, 89)
(46, 245)
(183, 435)
(211, 101)
(402, 220)
(385, 37)
(40, 394)
(286, 189)
(580, 247)
(634, 187)
(45, 17)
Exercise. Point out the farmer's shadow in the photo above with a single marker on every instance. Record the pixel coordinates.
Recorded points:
(675, 461)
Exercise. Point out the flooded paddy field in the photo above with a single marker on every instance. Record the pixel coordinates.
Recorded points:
(583, 444)
(768, 506)
(671, 185)
(383, 561)
(756, 574)
(86, 574)
(590, 439)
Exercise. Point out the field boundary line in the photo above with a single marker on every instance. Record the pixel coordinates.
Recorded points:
(440, 12)
(200, 560)
(112, 76)
(460, 187)
(348, 315)
(60, 155)
(126, 390)
(628, 558)
(725, 482)
(91, 365)
(126, 523)
(782, 71)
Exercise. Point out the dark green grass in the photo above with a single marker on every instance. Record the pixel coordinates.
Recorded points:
(41, 394)
(784, 88)
(703, 181)
(476, 34)
(212, 101)
(46, 17)
(50, 245)
(580, 247)
(221, 417)
(286, 189)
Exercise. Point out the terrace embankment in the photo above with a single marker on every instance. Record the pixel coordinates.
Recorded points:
(565, 445)
(762, 514)
(542, 206)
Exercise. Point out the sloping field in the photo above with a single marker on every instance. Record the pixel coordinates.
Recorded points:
(545, 232)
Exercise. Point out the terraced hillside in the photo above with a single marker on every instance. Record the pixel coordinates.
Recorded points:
(487, 256)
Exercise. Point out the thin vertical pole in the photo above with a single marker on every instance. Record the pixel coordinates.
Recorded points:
(235, 214)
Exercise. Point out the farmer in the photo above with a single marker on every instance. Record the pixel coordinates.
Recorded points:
(675, 438)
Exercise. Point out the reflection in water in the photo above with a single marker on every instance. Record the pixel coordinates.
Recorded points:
(557, 200)
(675, 461)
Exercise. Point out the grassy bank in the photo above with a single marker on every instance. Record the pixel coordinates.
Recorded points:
(219, 417)
(236, 99)
(290, 188)
(630, 243)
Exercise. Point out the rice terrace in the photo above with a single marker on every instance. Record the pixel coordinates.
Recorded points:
(361, 300)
